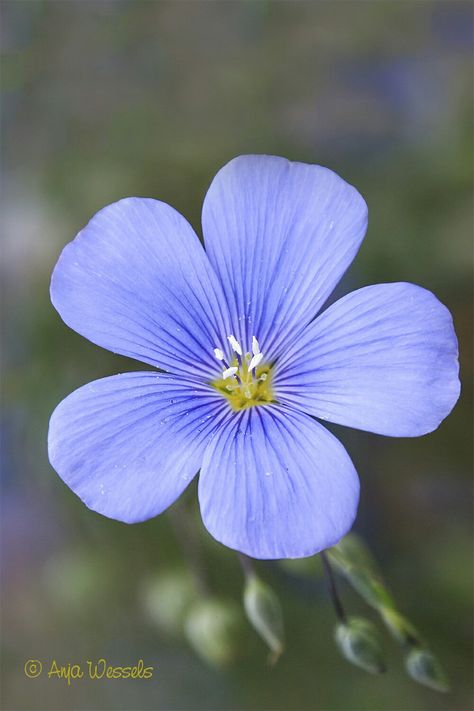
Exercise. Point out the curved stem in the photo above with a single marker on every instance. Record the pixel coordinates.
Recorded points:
(247, 564)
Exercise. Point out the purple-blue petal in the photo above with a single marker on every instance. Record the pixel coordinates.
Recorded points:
(276, 484)
(128, 445)
(383, 359)
(137, 281)
(280, 235)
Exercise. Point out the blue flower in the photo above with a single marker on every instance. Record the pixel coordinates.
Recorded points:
(250, 366)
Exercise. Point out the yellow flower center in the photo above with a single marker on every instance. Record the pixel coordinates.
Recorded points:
(246, 380)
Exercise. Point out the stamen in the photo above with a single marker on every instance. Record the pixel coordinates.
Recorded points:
(220, 356)
(256, 360)
(243, 379)
(235, 344)
(229, 372)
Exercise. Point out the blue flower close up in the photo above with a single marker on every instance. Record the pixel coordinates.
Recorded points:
(250, 365)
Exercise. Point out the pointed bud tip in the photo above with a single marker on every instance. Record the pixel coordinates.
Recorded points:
(264, 612)
(425, 668)
(359, 642)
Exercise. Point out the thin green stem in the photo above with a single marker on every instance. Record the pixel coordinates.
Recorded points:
(247, 564)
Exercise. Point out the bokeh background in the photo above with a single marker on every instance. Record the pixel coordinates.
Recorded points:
(104, 100)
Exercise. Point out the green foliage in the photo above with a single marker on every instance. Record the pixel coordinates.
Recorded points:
(354, 561)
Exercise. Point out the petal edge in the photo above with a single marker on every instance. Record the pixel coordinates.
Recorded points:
(136, 280)
(280, 234)
(383, 358)
(128, 445)
(276, 484)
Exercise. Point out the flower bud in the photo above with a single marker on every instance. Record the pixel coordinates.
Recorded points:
(213, 627)
(264, 612)
(353, 559)
(368, 584)
(359, 642)
(424, 667)
(351, 550)
(370, 588)
(167, 597)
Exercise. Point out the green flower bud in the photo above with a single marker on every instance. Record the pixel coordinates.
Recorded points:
(264, 612)
(353, 559)
(167, 597)
(351, 550)
(213, 627)
(364, 581)
(359, 642)
(424, 667)
(370, 587)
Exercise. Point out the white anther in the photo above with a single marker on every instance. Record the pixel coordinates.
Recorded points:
(228, 373)
(219, 354)
(255, 346)
(235, 344)
(256, 360)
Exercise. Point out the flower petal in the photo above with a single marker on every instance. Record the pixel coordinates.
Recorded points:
(276, 484)
(137, 281)
(280, 235)
(128, 445)
(383, 359)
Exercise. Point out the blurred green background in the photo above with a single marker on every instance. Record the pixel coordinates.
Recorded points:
(103, 100)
